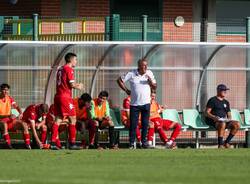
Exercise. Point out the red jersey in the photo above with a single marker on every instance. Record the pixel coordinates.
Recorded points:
(65, 76)
(126, 103)
(31, 113)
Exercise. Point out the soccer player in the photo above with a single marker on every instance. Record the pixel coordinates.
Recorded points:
(34, 116)
(218, 115)
(125, 113)
(83, 107)
(7, 120)
(162, 124)
(64, 106)
(100, 113)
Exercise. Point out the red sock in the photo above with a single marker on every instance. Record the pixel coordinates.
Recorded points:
(7, 138)
(138, 134)
(54, 132)
(58, 143)
(43, 136)
(151, 132)
(72, 133)
(26, 138)
(176, 131)
(162, 135)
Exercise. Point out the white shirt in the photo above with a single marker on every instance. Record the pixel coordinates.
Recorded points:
(140, 89)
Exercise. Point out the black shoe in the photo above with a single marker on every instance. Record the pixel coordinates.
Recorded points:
(27, 146)
(91, 146)
(74, 147)
(8, 146)
(53, 146)
(147, 146)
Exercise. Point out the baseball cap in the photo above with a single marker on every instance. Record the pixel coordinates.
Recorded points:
(222, 87)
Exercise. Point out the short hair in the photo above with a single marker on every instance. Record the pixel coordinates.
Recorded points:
(103, 94)
(5, 85)
(141, 60)
(68, 56)
(85, 97)
(44, 108)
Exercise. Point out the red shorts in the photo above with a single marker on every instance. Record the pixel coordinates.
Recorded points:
(162, 123)
(9, 121)
(64, 107)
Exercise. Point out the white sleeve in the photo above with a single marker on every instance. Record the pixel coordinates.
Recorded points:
(151, 75)
(126, 76)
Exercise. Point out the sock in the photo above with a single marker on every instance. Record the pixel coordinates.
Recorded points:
(138, 134)
(58, 143)
(176, 131)
(72, 133)
(26, 138)
(229, 138)
(162, 135)
(96, 142)
(43, 136)
(170, 142)
(92, 133)
(151, 132)
(54, 132)
(111, 136)
(220, 141)
(7, 138)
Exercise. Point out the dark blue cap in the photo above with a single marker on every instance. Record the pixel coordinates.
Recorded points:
(222, 87)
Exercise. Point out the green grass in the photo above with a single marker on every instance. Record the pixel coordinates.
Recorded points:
(126, 166)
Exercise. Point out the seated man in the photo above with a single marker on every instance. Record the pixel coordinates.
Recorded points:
(7, 120)
(34, 116)
(82, 107)
(100, 113)
(218, 115)
(125, 115)
(162, 124)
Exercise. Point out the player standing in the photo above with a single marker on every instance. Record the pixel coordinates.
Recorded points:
(64, 107)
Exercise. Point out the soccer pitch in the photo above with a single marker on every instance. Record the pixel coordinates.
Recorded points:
(125, 166)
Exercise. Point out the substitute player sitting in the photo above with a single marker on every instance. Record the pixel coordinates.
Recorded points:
(125, 115)
(162, 124)
(218, 115)
(100, 113)
(34, 116)
(7, 120)
(83, 106)
(64, 106)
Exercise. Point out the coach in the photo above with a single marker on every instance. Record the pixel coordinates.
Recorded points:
(141, 82)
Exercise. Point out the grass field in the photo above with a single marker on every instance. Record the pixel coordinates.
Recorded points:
(126, 166)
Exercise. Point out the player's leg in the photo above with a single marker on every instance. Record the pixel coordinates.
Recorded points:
(72, 132)
(167, 124)
(4, 127)
(134, 118)
(21, 125)
(55, 133)
(110, 125)
(151, 132)
(145, 113)
(234, 126)
(44, 130)
(92, 127)
(220, 126)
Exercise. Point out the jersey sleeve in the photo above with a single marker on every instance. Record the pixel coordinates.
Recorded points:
(210, 103)
(70, 75)
(228, 107)
(92, 110)
(126, 104)
(12, 101)
(127, 76)
(151, 75)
